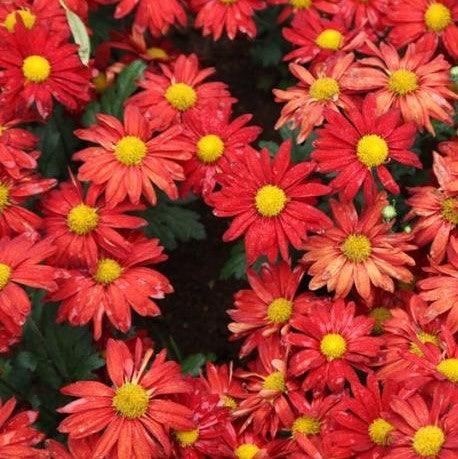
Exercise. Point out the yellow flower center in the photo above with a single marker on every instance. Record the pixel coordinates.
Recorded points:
(379, 431)
(187, 437)
(428, 441)
(275, 381)
(27, 17)
(210, 148)
(229, 402)
(181, 96)
(437, 17)
(157, 53)
(280, 310)
(357, 248)
(324, 88)
(36, 69)
(449, 210)
(403, 82)
(300, 4)
(100, 82)
(82, 219)
(108, 270)
(4, 196)
(5, 274)
(130, 150)
(306, 425)
(333, 346)
(2, 129)
(380, 315)
(130, 400)
(329, 39)
(424, 338)
(270, 200)
(246, 451)
(372, 150)
(448, 368)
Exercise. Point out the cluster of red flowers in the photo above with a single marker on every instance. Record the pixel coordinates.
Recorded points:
(370, 372)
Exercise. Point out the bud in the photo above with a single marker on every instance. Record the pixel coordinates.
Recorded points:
(407, 229)
(389, 212)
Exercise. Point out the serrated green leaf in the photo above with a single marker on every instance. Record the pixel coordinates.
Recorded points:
(235, 266)
(193, 364)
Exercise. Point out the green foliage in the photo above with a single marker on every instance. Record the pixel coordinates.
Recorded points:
(235, 266)
(193, 364)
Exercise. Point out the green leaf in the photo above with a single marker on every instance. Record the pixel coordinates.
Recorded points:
(193, 364)
(299, 152)
(235, 266)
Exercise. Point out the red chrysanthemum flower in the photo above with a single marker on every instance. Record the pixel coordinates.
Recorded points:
(325, 86)
(232, 16)
(417, 83)
(359, 146)
(332, 343)
(413, 19)
(81, 224)
(17, 436)
(216, 142)
(179, 89)
(317, 38)
(424, 427)
(360, 251)
(268, 308)
(249, 446)
(114, 286)
(156, 16)
(80, 448)
(20, 265)
(299, 7)
(359, 14)
(39, 65)
(271, 202)
(134, 415)
(130, 159)
(14, 217)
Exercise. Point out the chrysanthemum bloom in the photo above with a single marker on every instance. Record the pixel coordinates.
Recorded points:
(266, 408)
(81, 224)
(424, 428)
(114, 286)
(157, 16)
(269, 306)
(271, 202)
(249, 446)
(317, 38)
(80, 448)
(130, 159)
(359, 13)
(358, 251)
(216, 142)
(231, 16)
(20, 266)
(134, 415)
(323, 87)
(417, 83)
(330, 344)
(39, 65)
(413, 19)
(14, 218)
(359, 146)
(17, 436)
(179, 89)
(299, 7)
(364, 428)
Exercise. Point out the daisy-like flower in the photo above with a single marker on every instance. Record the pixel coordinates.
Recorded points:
(231, 16)
(358, 13)
(135, 414)
(322, 87)
(358, 251)
(299, 7)
(17, 436)
(268, 307)
(249, 446)
(114, 286)
(317, 38)
(155, 16)
(130, 159)
(179, 89)
(413, 19)
(417, 83)
(359, 146)
(271, 202)
(217, 141)
(424, 428)
(81, 224)
(39, 65)
(330, 343)
(14, 218)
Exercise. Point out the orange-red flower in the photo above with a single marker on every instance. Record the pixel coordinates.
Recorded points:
(299, 7)
(80, 448)
(324, 86)
(271, 202)
(358, 251)
(368, 13)
(135, 414)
